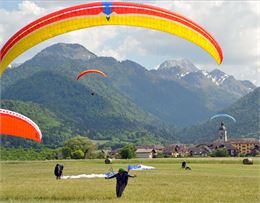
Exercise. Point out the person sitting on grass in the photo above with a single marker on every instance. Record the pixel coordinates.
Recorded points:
(121, 181)
(185, 166)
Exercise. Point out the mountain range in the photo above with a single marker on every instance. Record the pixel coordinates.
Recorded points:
(132, 99)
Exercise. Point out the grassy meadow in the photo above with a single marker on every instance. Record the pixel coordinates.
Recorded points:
(210, 180)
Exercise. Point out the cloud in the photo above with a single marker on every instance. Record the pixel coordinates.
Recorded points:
(28, 8)
(12, 21)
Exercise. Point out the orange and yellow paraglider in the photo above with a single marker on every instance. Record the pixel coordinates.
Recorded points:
(91, 71)
(15, 124)
(106, 13)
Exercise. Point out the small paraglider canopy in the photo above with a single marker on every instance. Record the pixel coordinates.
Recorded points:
(91, 71)
(223, 115)
(15, 124)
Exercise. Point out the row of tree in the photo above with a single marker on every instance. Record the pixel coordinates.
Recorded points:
(79, 148)
(75, 148)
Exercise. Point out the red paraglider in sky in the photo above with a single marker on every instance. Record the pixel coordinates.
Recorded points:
(91, 71)
(15, 124)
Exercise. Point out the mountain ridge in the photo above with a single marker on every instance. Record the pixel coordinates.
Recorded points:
(152, 101)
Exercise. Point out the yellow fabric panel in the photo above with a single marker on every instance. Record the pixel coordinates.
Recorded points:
(76, 23)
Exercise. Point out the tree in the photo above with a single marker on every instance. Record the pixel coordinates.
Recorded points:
(73, 146)
(66, 152)
(78, 154)
(128, 152)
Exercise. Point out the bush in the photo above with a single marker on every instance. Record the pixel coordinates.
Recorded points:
(162, 155)
(78, 154)
(74, 146)
(220, 152)
(97, 155)
(27, 154)
(66, 152)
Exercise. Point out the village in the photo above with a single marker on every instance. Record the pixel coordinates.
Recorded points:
(222, 147)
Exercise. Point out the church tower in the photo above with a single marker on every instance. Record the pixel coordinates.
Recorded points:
(222, 133)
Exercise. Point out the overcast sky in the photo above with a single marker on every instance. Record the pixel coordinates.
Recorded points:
(234, 24)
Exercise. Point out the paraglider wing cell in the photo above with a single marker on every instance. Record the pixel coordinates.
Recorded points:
(107, 13)
(15, 124)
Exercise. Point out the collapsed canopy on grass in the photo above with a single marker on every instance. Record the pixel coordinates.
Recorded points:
(106, 13)
(139, 167)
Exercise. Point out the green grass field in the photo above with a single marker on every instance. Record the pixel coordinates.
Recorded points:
(211, 180)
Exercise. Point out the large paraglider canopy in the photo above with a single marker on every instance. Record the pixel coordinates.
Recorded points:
(15, 124)
(106, 13)
(91, 71)
(223, 115)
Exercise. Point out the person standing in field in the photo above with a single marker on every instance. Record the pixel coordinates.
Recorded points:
(121, 181)
(58, 170)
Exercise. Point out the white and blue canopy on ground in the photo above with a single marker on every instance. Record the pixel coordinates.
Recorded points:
(140, 167)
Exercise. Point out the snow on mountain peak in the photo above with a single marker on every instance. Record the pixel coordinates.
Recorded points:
(218, 76)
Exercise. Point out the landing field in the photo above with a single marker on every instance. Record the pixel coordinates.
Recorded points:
(211, 180)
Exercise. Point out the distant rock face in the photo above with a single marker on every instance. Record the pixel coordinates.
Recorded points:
(72, 51)
(188, 72)
(176, 68)
(183, 64)
(218, 76)
(230, 84)
(248, 84)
